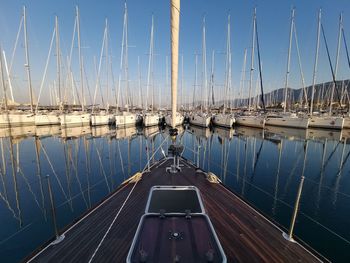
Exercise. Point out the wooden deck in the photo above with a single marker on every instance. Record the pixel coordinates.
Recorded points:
(245, 235)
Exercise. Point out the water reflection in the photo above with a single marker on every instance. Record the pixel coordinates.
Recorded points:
(85, 164)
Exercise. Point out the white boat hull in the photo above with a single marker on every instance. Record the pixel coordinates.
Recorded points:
(78, 119)
(179, 119)
(16, 119)
(327, 122)
(346, 124)
(286, 121)
(125, 120)
(102, 119)
(199, 120)
(224, 120)
(151, 120)
(46, 119)
(251, 121)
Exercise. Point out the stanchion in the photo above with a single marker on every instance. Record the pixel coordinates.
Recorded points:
(289, 236)
(59, 238)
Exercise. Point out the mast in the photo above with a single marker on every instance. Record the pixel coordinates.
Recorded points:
(58, 60)
(107, 62)
(126, 65)
(288, 60)
(195, 79)
(228, 53)
(316, 62)
(3, 80)
(8, 75)
(252, 60)
(80, 61)
(175, 22)
(243, 76)
(139, 73)
(204, 65)
(212, 79)
(336, 62)
(26, 65)
(150, 70)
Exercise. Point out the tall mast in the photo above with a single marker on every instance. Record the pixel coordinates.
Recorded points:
(3, 79)
(182, 80)
(228, 53)
(27, 59)
(150, 69)
(80, 60)
(204, 64)
(58, 60)
(167, 72)
(195, 78)
(288, 61)
(175, 21)
(126, 64)
(139, 73)
(107, 63)
(336, 61)
(243, 75)
(316, 62)
(212, 79)
(252, 61)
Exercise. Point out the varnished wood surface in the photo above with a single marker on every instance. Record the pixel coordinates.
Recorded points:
(244, 234)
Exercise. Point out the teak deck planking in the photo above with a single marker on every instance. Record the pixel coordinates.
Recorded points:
(245, 235)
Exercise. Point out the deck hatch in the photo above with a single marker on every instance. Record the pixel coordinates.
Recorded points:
(174, 199)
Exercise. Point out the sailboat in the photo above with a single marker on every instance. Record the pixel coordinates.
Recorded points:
(323, 121)
(19, 118)
(202, 118)
(151, 118)
(50, 117)
(77, 118)
(224, 119)
(189, 216)
(291, 120)
(124, 118)
(103, 117)
(251, 119)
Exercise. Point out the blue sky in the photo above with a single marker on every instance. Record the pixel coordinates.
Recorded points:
(273, 21)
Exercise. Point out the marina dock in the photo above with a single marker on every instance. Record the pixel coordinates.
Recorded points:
(105, 233)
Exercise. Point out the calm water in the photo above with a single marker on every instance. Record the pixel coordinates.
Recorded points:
(84, 165)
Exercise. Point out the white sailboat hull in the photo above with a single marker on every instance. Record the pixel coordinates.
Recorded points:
(287, 121)
(199, 120)
(102, 119)
(346, 124)
(151, 120)
(75, 119)
(251, 121)
(16, 119)
(125, 120)
(224, 120)
(179, 119)
(327, 122)
(46, 119)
